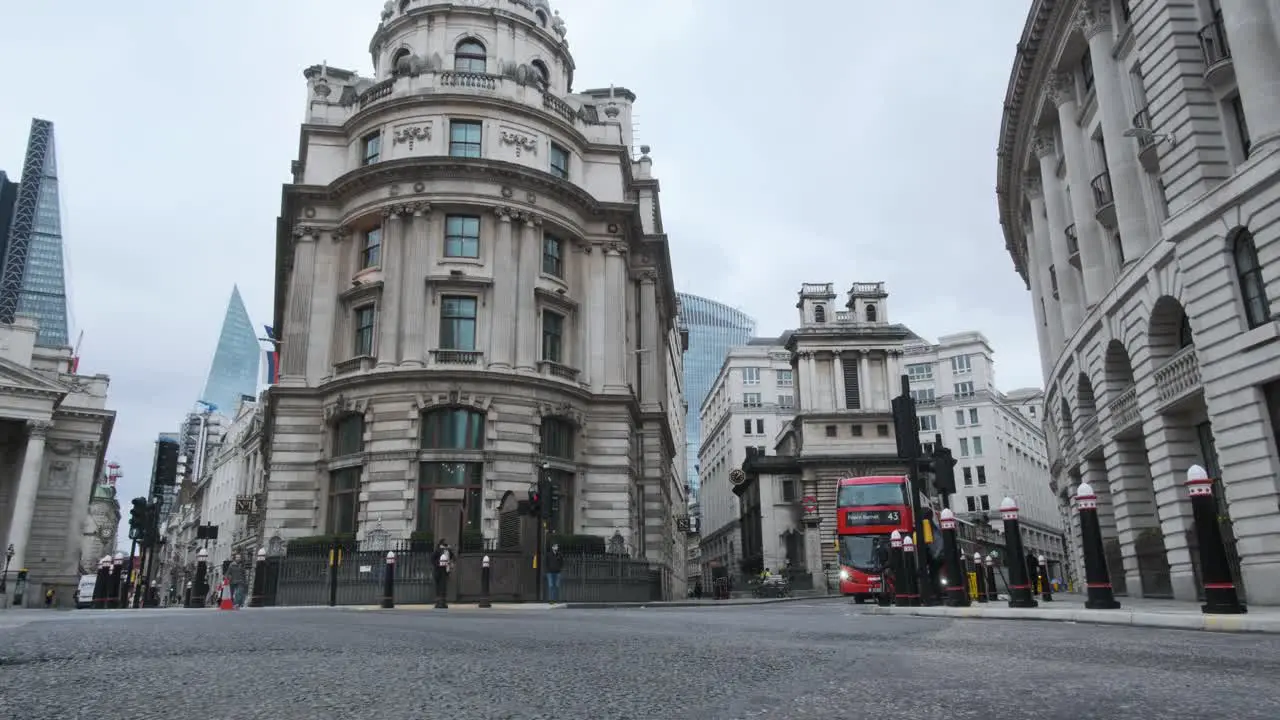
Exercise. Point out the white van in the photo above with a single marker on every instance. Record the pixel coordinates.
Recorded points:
(84, 595)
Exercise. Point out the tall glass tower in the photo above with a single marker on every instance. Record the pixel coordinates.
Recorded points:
(32, 276)
(234, 372)
(713, 329)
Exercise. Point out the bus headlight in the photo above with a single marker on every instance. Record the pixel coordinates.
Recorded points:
(844, 574)
(944, 581)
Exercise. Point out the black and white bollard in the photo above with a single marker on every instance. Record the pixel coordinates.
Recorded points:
(389, 582)
(202, 579)
(898, 566)
(911, 578)
(1021, 593)
(113, 589)
(484, 583)
(957, 587)
(980, 577)
(1046, 587)
(102, 586)
(993, 588)
(1220, 595)
(1097, 580)
(259, 578)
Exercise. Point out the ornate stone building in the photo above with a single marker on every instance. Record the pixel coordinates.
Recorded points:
(102, 524)
(1137, 182)
(54, 428)
(473, 286)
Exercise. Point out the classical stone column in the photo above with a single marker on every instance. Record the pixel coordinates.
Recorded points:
(527, 302)
(837, 366)
(325, 306)
(1039, 258)
(586, 327)
(650, 329)
(1093, 263)
(615, 291)
(1070, 294)
(417, 266)
(24, 501)
(1255, 54)
(297, 324)
(506, 288)
(866, 398)
(1126, 180)
(392, 252)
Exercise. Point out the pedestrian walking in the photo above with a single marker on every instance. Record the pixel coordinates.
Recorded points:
(235, 578)
(442, 564)
(554, 564)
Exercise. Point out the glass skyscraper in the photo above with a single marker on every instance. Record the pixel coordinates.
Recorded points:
(713, 329)
(234, 372)
(33, 276)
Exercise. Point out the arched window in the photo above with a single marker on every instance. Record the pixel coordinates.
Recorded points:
(1244, 254)
(1185, 336)
(819, 314)
(871, 313)
(469, 57)
(542, 18)
(544, 75)
(452, 429)
(401, 55)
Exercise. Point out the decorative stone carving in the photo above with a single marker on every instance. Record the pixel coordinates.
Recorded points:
(562, 411)
(616, 248)
(1093, 17)
(520, 141)
(648, 275)
(306, 231)
(504, 213)
(455, 396)
(1060, 89)
(507, 192)
(1032, 188)
(418, 209)
(1042, 144)
(530, 198)
(340, 233)
(308, 212)
(557, 25)
(411, 134)
(419, 186)
(613, 228)
(343, 405)
(38, 428)
(388, 9)
(530, 219)
(58, 476)
(321, 88)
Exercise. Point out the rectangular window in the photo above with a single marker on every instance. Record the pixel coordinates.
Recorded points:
(789, 491)
(348, 435)
(760, 450)
(344, 490)
(831, 431)
(751, 400)
(984, 502)
(923, 396)
(1241, 126)
(977, 446)
(1086, 70)
(982, 475)
(371, 148)
(469, 477)
(973, 416)
(457, 323)
(552, 256)
(960, 418)
(371, 251)
(552, 336)
(462, 236)
(960, 364)
(746, 426)
(786, 402)
(919, 372)
(928, 423)
(750, 376)
(855, 430)
(964, 389)
(852, 389)
(559, 162)
(366, 317)
(970, 504)
(464, 138)
(557, 438)
(882, 430)
(784, 378)
(964, 447)
(968, 476)
(759, 426)
(926, 448)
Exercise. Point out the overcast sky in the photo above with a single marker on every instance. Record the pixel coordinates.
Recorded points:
(855, 142)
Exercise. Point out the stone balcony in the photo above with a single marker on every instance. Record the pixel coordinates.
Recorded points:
(595, 121)
(471, 358)
(1090, 438)
(1178, 378)
(1123, 410)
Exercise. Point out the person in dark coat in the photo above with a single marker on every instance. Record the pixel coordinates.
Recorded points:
(554, 564)
(442, 564)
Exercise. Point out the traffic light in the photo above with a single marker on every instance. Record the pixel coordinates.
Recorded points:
(906, 427)
(166, 470)
(535, 501)
(137, 518)
(944, 471)
(546, 497)
(152, 530)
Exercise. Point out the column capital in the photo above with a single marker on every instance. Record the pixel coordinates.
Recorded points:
(614, 248)
(38, 428)
(392, 212)
(1060, 89)
(340, 233)
(648, 276)
(504, 213)
(1093, 17)
(530, 220)
(1033, 188)
(416, 209)
(306, 232)
(1042, 144)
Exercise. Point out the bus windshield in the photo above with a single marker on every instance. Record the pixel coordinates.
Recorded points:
(867, 553)
(888, 493)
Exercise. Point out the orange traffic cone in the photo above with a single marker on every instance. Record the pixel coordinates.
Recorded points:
(225, 603)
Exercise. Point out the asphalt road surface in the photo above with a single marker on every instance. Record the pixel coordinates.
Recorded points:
(803, 660)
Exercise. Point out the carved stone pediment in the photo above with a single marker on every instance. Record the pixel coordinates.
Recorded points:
(454, 396)
(562, 411)
(343, 405)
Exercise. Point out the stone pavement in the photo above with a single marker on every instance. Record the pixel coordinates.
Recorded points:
(1065, 607)
(810, 660)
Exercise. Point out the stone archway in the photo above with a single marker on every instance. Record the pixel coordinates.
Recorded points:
(1117, 370)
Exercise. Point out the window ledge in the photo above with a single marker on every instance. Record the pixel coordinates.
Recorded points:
(553, 279)
(477, 262)
(556, 298)
(558, 370)
(361, 289)
(359, 363)
(460, 280)
(346, 461)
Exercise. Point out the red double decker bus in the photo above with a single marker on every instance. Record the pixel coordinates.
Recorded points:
(868, 509)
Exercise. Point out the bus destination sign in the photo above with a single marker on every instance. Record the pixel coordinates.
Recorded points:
(873, 517)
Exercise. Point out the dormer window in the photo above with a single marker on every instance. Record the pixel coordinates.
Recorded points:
(542, 18)
(469, 57)
(871, 313)
(819, 314)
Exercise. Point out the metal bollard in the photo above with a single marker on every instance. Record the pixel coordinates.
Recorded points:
(1046, 589)
(389, 583)
(1098, 592)
(980, 575)
(484, 583)
(910, 571)
(1220, 594)
(186, 597)
(259, 578)
(201, 587)
(1021, 588)
(993, 589)
(102, 586)
(900, 597)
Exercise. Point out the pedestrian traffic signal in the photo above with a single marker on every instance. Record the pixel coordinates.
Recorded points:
(535, 501)
(944, 471)
(546, 498)
(137, 518)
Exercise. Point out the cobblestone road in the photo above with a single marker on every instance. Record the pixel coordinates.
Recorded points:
(792, 661)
